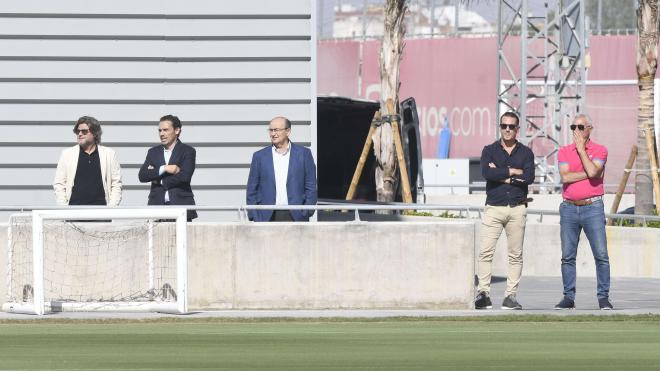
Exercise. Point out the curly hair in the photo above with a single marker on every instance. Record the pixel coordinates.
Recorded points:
(94, 127)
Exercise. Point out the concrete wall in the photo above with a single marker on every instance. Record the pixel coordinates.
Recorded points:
(634, 252)
(327, 265)
(414, 264)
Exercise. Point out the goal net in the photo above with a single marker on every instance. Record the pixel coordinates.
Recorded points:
(97, 260)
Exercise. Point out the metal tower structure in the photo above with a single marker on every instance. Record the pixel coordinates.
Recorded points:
(541, 75)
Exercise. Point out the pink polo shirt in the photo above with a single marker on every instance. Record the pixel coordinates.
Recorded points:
(585, 188)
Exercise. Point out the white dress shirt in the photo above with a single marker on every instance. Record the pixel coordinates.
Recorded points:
(281, 167)
(167, 153)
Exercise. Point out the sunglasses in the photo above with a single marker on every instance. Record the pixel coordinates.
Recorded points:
(81, 131)
(511, 127)
(579, 127)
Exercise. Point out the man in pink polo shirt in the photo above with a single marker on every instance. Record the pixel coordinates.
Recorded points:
(582, 168)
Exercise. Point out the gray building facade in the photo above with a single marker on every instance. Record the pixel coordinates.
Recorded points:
(223, 67)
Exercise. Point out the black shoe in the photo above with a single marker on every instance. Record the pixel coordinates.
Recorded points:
(483, 301)
(604, 304)
(510, 302)
(565, 303)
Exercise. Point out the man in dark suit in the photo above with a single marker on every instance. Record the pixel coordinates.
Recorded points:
(169, 167)
(281, 174)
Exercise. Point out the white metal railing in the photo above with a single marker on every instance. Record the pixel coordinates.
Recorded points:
(465, 211)
(482, 185)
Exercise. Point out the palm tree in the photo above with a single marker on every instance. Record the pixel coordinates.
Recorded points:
(390, 59)
(647, 64)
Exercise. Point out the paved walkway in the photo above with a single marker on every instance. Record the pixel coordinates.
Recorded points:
(538, 295)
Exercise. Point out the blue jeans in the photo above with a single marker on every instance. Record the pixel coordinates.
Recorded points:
(591, 219)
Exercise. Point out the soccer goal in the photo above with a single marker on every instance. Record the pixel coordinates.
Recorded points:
(97, 260)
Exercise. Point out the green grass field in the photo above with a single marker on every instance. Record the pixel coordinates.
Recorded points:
(503, 343)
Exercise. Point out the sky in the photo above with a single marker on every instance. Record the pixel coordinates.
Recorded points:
(485, 8)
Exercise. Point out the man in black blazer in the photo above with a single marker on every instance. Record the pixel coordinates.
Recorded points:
(169, 167)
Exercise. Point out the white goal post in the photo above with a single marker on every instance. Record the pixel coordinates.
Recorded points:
(99, 259)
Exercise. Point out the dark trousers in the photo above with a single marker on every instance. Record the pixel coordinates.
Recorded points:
(281, 216)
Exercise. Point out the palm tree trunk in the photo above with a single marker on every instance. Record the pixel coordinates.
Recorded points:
(390, 59)
(647, 64)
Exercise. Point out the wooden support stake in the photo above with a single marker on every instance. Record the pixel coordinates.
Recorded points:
(407, 196)
(622, 184)
(653, 160)
(363, 158)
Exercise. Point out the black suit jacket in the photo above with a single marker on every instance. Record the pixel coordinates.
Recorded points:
(177, 185)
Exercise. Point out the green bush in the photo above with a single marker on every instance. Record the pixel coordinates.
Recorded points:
(444, 214)
(623, 222)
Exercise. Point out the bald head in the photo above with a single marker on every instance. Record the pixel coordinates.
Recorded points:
(279, 129)
(282, 119)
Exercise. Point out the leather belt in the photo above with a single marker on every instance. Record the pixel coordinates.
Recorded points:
(525, 203)
(584, 202)
(522, 203)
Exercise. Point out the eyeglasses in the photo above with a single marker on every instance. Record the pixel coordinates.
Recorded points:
(81, 131)
(579, 127)
(276, 130)
(511, 127)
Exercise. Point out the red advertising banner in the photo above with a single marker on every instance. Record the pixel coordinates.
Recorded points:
(455, 79)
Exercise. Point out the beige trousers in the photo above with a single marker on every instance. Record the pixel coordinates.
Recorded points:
(512, 220)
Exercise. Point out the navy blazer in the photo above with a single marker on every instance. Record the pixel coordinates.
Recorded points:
(178, 185)
(300, 183)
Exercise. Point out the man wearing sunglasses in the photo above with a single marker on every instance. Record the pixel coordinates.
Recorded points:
(283, 173)
(88, 173)
(508, 167)
(582, 168)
